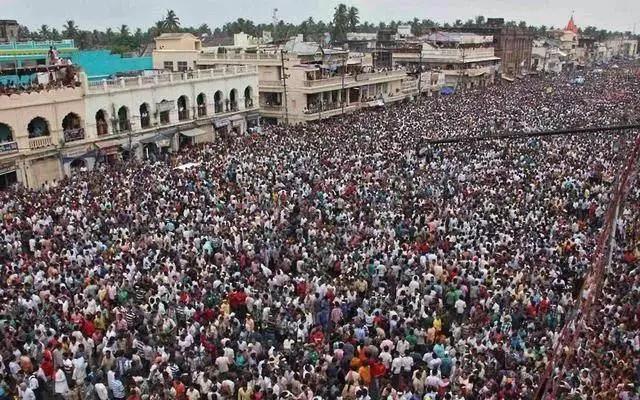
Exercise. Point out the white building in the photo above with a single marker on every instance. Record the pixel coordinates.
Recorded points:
(160, 113)
(47, 134)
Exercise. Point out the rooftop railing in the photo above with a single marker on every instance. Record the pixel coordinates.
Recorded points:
(348, 79)
(240, 56)
(41, 45)
(146, 81)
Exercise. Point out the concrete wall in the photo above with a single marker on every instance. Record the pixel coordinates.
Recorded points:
(132, 98)
(18, 110)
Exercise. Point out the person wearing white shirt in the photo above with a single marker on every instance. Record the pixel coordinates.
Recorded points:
(61, 385)
(101, 391)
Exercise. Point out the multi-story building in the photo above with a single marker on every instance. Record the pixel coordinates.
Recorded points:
(511, 44)
(301, 81)
(48, 133)
(465, 59)
(19, 56)
(9, 30)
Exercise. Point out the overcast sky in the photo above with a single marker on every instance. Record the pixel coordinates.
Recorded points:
(100, 14)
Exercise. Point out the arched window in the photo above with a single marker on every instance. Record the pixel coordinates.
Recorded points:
(102, 126)
(183, 108)
(72, 127)
(218, 102)
(78, 165)
(145, 117)
(233, 100)
(202, 104)
(165, 112)
(6, 133)
(123, 119)
(38, 127)
(248, 97)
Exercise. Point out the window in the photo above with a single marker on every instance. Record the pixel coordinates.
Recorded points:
(182, 66)
(168, 65)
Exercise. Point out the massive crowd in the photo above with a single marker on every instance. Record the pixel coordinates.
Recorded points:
(346, 259)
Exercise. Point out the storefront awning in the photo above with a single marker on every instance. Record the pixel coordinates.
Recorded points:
(109, 143)
(159, 137)
(193, 132)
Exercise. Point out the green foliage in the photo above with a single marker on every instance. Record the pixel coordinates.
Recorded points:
(345, 19)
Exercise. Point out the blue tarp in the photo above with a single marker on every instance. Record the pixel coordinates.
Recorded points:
(447, 90)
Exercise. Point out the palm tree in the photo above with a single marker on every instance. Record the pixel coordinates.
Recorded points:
(70, 29)
(44, 32)
(124, 30)
(171, 21)
(340, 22)
(353, 18)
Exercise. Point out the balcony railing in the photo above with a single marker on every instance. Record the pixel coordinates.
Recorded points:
(349, 79)
(241, 56)
(248, 103)
(42, 45)
(197, 75)
(71, 135)
(40, 142)
(270, 107)
(8, 147)
(266, 83)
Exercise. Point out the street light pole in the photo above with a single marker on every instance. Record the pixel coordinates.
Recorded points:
(342, 94)
(420, 77)
(284, 84)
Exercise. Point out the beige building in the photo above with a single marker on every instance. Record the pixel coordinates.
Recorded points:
(34, 128)
(47, 134)
(301, 81)
(176, 52)
(465, 59)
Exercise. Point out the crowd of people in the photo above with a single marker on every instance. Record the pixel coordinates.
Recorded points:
(345, 259)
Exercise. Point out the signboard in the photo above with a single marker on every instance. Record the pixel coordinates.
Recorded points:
(8, 146)
(71, 135)
(166, 106)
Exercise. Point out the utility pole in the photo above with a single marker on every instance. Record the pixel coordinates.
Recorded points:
(342, 94)
(420, 77)
(284, 84)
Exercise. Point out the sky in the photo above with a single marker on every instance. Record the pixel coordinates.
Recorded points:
(100, 14)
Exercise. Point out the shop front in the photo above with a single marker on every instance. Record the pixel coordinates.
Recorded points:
(221, 127)
(158, 146)
(8, 175)
(78, 160)
(193, 136)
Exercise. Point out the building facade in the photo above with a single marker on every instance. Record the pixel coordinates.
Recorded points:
(466, 60)
(46, 134)
(9, 30)
(301, 81)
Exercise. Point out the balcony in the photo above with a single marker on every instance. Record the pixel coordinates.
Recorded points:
(164, 79)
(40, 142)
(355, 80)
(8, 147)
(72, 135)
(270, 85)
(241, 58)
(248, 103)
(271, 108)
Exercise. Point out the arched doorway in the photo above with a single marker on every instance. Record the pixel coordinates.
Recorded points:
(123, 119)
(38, 127)
(6, 133)
(78, 165)
(201, 100)
(145, 117)
(217, 102)
(248, 97)
(183, 108)
(233, 100)
(102, 126)
(72, 127)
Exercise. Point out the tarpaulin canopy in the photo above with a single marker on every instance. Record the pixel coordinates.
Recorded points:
(193, 132)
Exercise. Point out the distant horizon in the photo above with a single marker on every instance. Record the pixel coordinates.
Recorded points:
(618, 15)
